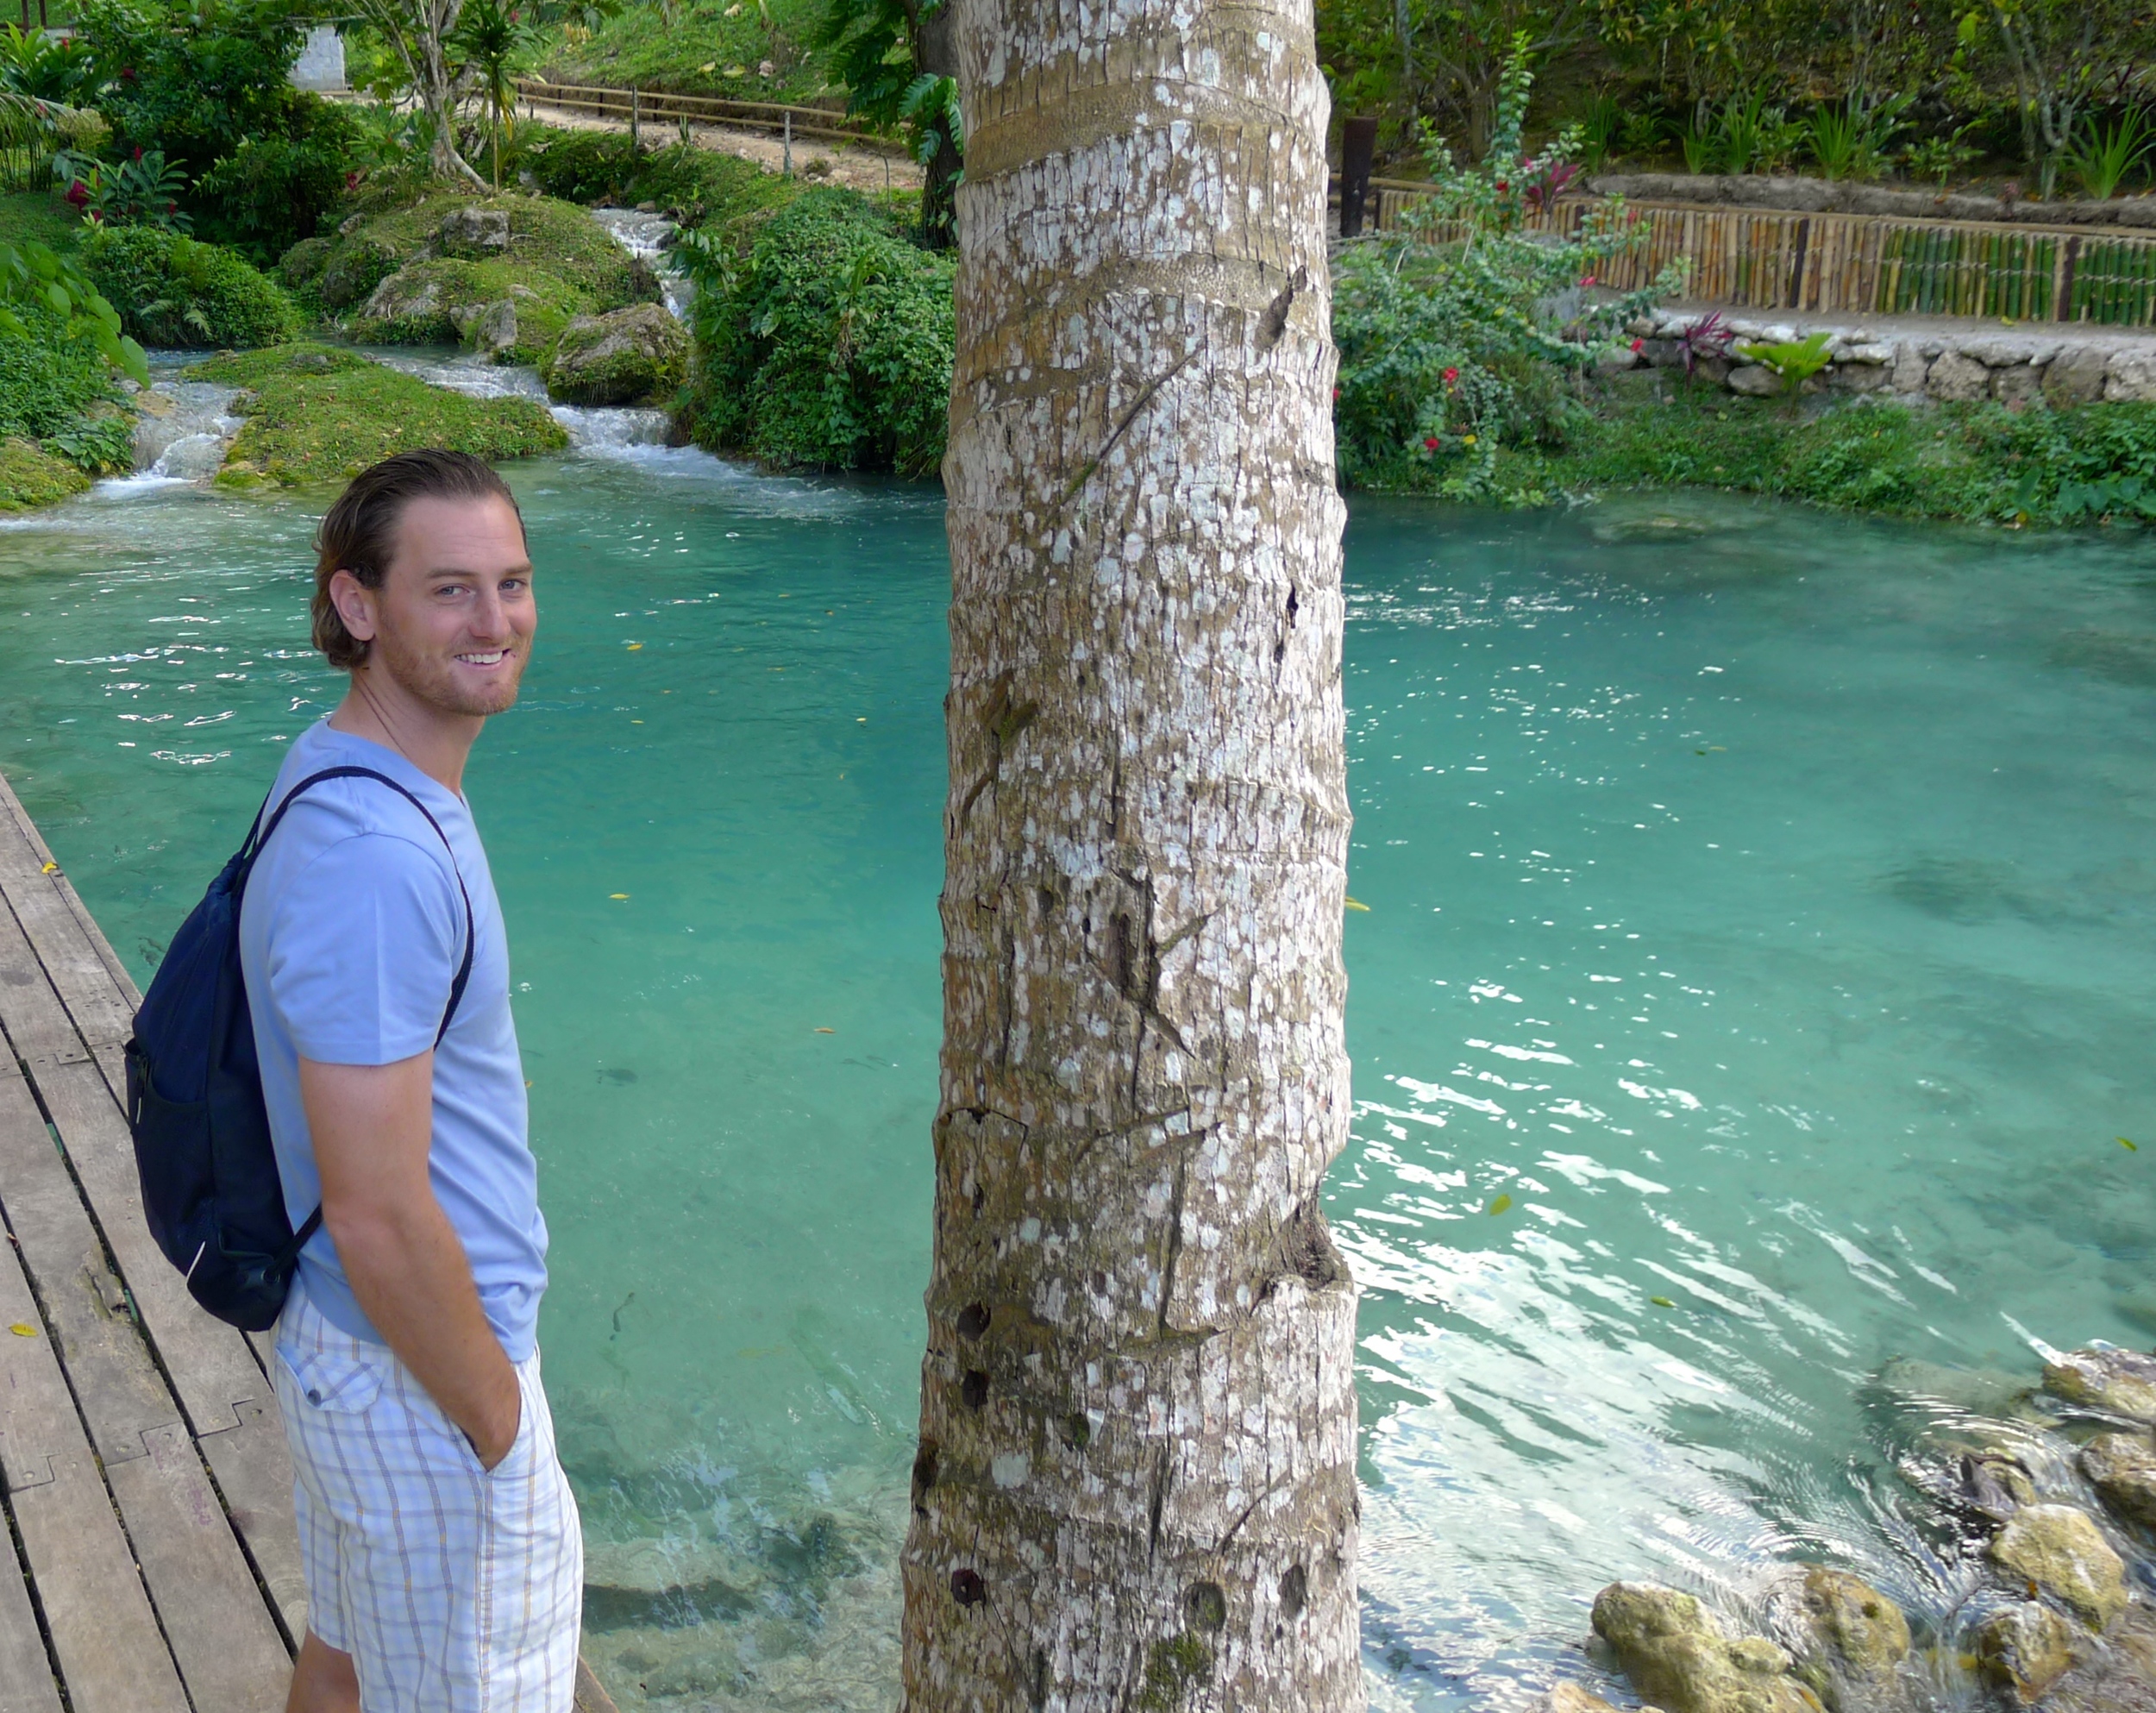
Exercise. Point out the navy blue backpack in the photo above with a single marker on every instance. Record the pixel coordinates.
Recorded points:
(202, 1135)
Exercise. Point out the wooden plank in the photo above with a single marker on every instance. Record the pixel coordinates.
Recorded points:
(230, 1654)
(104, 1635)
(224, 1394)
(96, 990)
(26, 1670)
(226, 1646)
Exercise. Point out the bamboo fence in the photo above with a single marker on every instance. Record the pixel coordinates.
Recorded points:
(657, 107)
(1765, 259)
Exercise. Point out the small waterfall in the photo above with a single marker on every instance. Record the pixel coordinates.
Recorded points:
(183, 431)
(594, 432)
(649, 238)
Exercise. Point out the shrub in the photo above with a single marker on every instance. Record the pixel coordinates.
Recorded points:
(272, 189)
(830, 347)
(1457, 338)
(175, 291)
(47, 380)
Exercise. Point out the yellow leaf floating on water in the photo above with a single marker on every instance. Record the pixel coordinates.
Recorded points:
(23, 1329)
(1501, 1204)
(618, 897)
(1661, 1302)
(50, 868)
(822, 1031)
(633, 647)
(2130, 1147)
(1355, 904)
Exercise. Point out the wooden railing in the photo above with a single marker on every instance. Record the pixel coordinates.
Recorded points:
(1862, 264)
(658, 107)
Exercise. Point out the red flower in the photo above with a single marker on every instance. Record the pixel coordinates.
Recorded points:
(1430, 444)
(78, 193)
(1638, 345)
(1503, 185)
(1586, 279)
(1451, 377)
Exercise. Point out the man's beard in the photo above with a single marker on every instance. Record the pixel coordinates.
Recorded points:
(435, 682)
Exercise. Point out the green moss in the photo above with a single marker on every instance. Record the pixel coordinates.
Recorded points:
(1971, 461)
(559, 263)
(172, 291)
(30, 478)
(437, 291)
(316, 413)
(1171, 1667)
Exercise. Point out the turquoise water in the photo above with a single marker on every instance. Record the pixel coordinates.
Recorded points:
(1764, 901)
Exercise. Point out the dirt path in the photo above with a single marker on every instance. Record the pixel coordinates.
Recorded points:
(860, 169)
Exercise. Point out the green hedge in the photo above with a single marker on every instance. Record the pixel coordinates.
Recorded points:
(829, 345)
(175, 291)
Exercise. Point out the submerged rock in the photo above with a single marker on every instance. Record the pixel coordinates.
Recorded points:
(2117, 1382)
(1678, 1656)
(2121, 1468)
(1846, 1636)
(2119, 1676)
(1996, 1486)
(1571, 1697)
(635, 355)
(2026, 1647)
(2063, 1553)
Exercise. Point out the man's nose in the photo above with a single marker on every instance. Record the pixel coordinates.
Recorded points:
(490, 615)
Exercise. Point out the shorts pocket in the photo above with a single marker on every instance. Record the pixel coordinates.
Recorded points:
(331, 1380)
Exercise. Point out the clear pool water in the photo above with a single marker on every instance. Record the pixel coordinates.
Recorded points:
(1764, 902)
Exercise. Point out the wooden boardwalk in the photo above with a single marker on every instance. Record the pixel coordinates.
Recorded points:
(152, 1564)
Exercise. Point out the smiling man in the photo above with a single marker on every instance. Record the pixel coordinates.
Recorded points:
(443, 1561)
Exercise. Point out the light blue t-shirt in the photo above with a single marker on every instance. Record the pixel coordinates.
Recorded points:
(350, 935)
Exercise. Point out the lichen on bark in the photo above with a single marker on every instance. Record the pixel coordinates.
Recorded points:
(1136, 1484)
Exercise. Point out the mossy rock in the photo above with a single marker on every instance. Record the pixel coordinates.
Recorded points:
(304, 263)
(31, 477)
(316, 413)
(2061, 1552)
(429, 303)
(557, 237)
(354, 268)
(638, 355)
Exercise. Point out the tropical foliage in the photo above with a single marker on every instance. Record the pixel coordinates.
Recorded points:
(828, 345)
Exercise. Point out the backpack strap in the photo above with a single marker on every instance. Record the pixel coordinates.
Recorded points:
(258, 836)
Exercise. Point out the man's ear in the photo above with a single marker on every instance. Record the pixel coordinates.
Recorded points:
(355, 605)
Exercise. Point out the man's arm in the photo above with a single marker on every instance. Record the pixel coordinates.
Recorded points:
(372, 1126)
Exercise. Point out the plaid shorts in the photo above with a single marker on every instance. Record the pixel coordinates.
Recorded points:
(454, 1589)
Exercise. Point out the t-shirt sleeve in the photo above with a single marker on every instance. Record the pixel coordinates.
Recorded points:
(362, 950)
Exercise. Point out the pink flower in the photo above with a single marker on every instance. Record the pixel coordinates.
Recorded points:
(1586, 279)
(1451, 377)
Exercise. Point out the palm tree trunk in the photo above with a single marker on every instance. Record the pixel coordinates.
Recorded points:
(1135, 1488)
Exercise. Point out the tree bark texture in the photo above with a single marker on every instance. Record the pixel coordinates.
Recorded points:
(1135, 1487)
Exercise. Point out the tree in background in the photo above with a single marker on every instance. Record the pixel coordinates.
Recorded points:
(491, 39)
(2062, 55)
(897, 59)
(1135, 1484)
(205, 85)
(418, 33)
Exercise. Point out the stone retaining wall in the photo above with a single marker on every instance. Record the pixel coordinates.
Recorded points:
(2062, 369)
(1825, 196)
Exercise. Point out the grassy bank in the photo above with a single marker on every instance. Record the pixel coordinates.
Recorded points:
(707, 47)
(1974, 463)
(316, 413)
